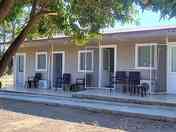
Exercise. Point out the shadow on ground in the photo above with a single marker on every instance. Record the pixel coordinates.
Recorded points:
(87, 117)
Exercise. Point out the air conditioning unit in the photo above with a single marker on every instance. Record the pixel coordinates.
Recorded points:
(151, 83)
(43, 84)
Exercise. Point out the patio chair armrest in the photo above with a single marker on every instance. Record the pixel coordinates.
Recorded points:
(80, 81)
(59, 79)
(30, 78)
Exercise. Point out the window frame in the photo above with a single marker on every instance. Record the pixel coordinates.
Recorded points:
(79, 60)
(19, 62)
(137, 58)
(169, 50)
(36, 61)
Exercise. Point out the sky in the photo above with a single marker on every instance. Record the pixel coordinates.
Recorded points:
(147, 19)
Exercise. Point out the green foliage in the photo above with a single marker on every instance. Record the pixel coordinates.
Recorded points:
(13, 24)
(80, 19)
(167, 8)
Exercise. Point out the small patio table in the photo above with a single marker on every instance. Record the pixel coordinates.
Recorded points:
(30, 82)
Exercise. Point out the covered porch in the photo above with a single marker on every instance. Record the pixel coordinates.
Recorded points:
(95, 65)
(142, 52)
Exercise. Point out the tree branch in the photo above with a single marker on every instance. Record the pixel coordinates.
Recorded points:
(34, 7)
(50, 13)
(5, 8)
(34, 18)
(17, 42)
(10, 52)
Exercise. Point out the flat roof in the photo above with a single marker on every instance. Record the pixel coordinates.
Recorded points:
(120, 31)
(139, 29)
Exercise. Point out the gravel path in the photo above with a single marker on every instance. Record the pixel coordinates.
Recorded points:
(17, 116)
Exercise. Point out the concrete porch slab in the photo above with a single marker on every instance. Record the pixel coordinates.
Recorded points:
(38, 91)
(100, 94)
(115, 96)
(161, 113)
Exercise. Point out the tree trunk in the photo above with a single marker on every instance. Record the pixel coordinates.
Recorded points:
(13, 29)
(4, 36)
(10, 52)
(5, 8)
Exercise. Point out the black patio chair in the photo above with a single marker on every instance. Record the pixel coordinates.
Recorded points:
(134, 82)
(64, 80)
(37, 78)
(30, 82)
(120, 78)
(84, 81)
(33, 81)
(58, 83)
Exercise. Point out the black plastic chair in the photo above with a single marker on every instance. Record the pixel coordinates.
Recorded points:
(121, 75)
(33, 82)
(133, 82)
(37, 78)
(63, 80)
(30, 82)
(84, 81)
(66, 78)
(58, 83)
(121, 78)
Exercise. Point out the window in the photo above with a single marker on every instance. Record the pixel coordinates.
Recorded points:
(145, 56)
(108, 59)
(41, 61)
(173, 59)
(21, 63)
(85, 61)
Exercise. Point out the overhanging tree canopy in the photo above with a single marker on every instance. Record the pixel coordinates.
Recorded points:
(80, 19)
(77, 18)
(166, 8)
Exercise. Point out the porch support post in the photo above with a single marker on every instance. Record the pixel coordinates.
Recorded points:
(48, 66)
(14, 70)
(115, 64)
(51, 68)
(100, 62)
(162, 67)
(150, 70)
(167, 64)
(85, 67)
(167, 39)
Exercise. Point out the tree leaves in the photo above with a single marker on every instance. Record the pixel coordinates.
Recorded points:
(76, 18)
